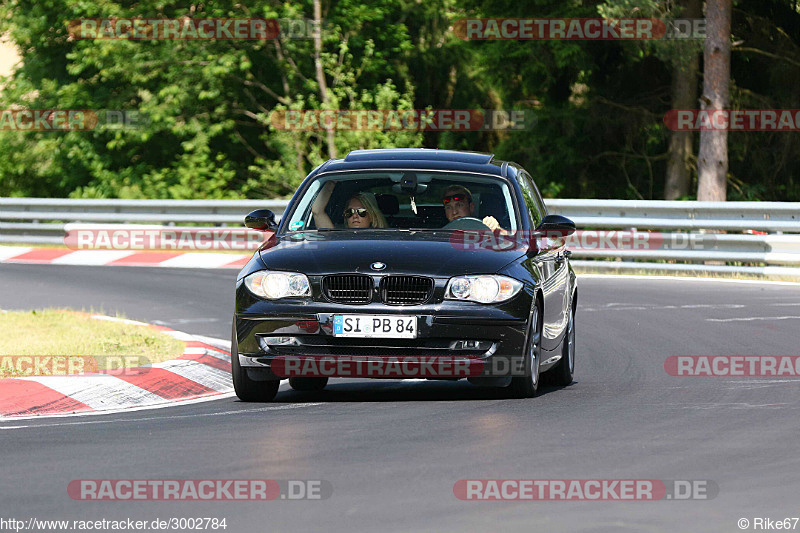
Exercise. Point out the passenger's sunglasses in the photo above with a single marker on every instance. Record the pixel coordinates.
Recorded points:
(456, 198)
(360, 211)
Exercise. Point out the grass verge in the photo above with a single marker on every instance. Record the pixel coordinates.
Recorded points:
(87, 344)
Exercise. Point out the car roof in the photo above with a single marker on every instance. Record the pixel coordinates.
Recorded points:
(418, 154)
(417, 158)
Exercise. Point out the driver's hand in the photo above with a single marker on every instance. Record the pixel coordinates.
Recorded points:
(491, 222)
(323, 198)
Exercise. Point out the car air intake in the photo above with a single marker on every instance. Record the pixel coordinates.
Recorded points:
(348, 288)
(406, 290)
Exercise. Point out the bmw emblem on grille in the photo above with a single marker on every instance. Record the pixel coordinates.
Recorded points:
(378, 265)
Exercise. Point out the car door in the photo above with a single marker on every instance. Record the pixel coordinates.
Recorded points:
(553, 265)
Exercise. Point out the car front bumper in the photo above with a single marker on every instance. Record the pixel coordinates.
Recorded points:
(493, 335)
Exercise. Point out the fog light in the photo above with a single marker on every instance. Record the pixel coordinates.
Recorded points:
(278, 341)
(470, 345)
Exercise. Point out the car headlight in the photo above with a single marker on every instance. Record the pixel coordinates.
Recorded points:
(483, 289)
(276, 285)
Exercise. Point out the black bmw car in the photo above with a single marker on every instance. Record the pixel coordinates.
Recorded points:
(408, 263)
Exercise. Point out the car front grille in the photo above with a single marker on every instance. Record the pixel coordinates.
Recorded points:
(348, 288)
(406, 290)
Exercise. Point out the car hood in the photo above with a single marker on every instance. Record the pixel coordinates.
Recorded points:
(432, 253)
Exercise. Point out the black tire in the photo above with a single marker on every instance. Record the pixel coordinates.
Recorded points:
(561, 375)
(247, 389)
(308, 384)
(526, 386)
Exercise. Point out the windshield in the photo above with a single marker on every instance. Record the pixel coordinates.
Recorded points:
(404, 200)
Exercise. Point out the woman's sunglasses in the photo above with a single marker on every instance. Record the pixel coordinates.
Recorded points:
(350, 211)
(456, 198)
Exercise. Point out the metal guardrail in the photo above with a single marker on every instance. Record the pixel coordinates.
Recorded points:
(694, 240)
(43, 220)
(133, 211)
(698, 246)
(685, 216)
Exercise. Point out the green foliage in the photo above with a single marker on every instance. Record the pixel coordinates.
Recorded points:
(599, 105)
(207, 102)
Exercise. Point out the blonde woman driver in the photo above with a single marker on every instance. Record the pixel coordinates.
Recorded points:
(361, 211)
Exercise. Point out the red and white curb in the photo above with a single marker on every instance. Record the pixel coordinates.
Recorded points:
(202, 371)
(62, 256)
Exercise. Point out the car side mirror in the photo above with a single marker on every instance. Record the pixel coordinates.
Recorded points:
(261, 220)
(558, 225)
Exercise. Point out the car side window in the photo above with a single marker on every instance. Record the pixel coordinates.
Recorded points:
(533, 199)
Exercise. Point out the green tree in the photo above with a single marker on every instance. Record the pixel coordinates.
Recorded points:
(207, 101)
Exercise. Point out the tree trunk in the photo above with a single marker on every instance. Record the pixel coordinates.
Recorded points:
(712, 160)
(684, 96)
(323, 85)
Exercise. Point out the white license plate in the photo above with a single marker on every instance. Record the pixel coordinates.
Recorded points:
(375, 326)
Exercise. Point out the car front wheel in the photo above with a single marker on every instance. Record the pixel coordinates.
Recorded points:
(527, 385)
(249, 390)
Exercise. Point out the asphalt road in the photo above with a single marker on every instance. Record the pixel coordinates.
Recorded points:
(392, 451)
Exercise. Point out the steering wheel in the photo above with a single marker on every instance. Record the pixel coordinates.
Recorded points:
(466, 223)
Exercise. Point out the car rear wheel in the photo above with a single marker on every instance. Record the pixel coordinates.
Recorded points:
(249, 390)
(527, 385)
(563, 372)
(308, 384)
